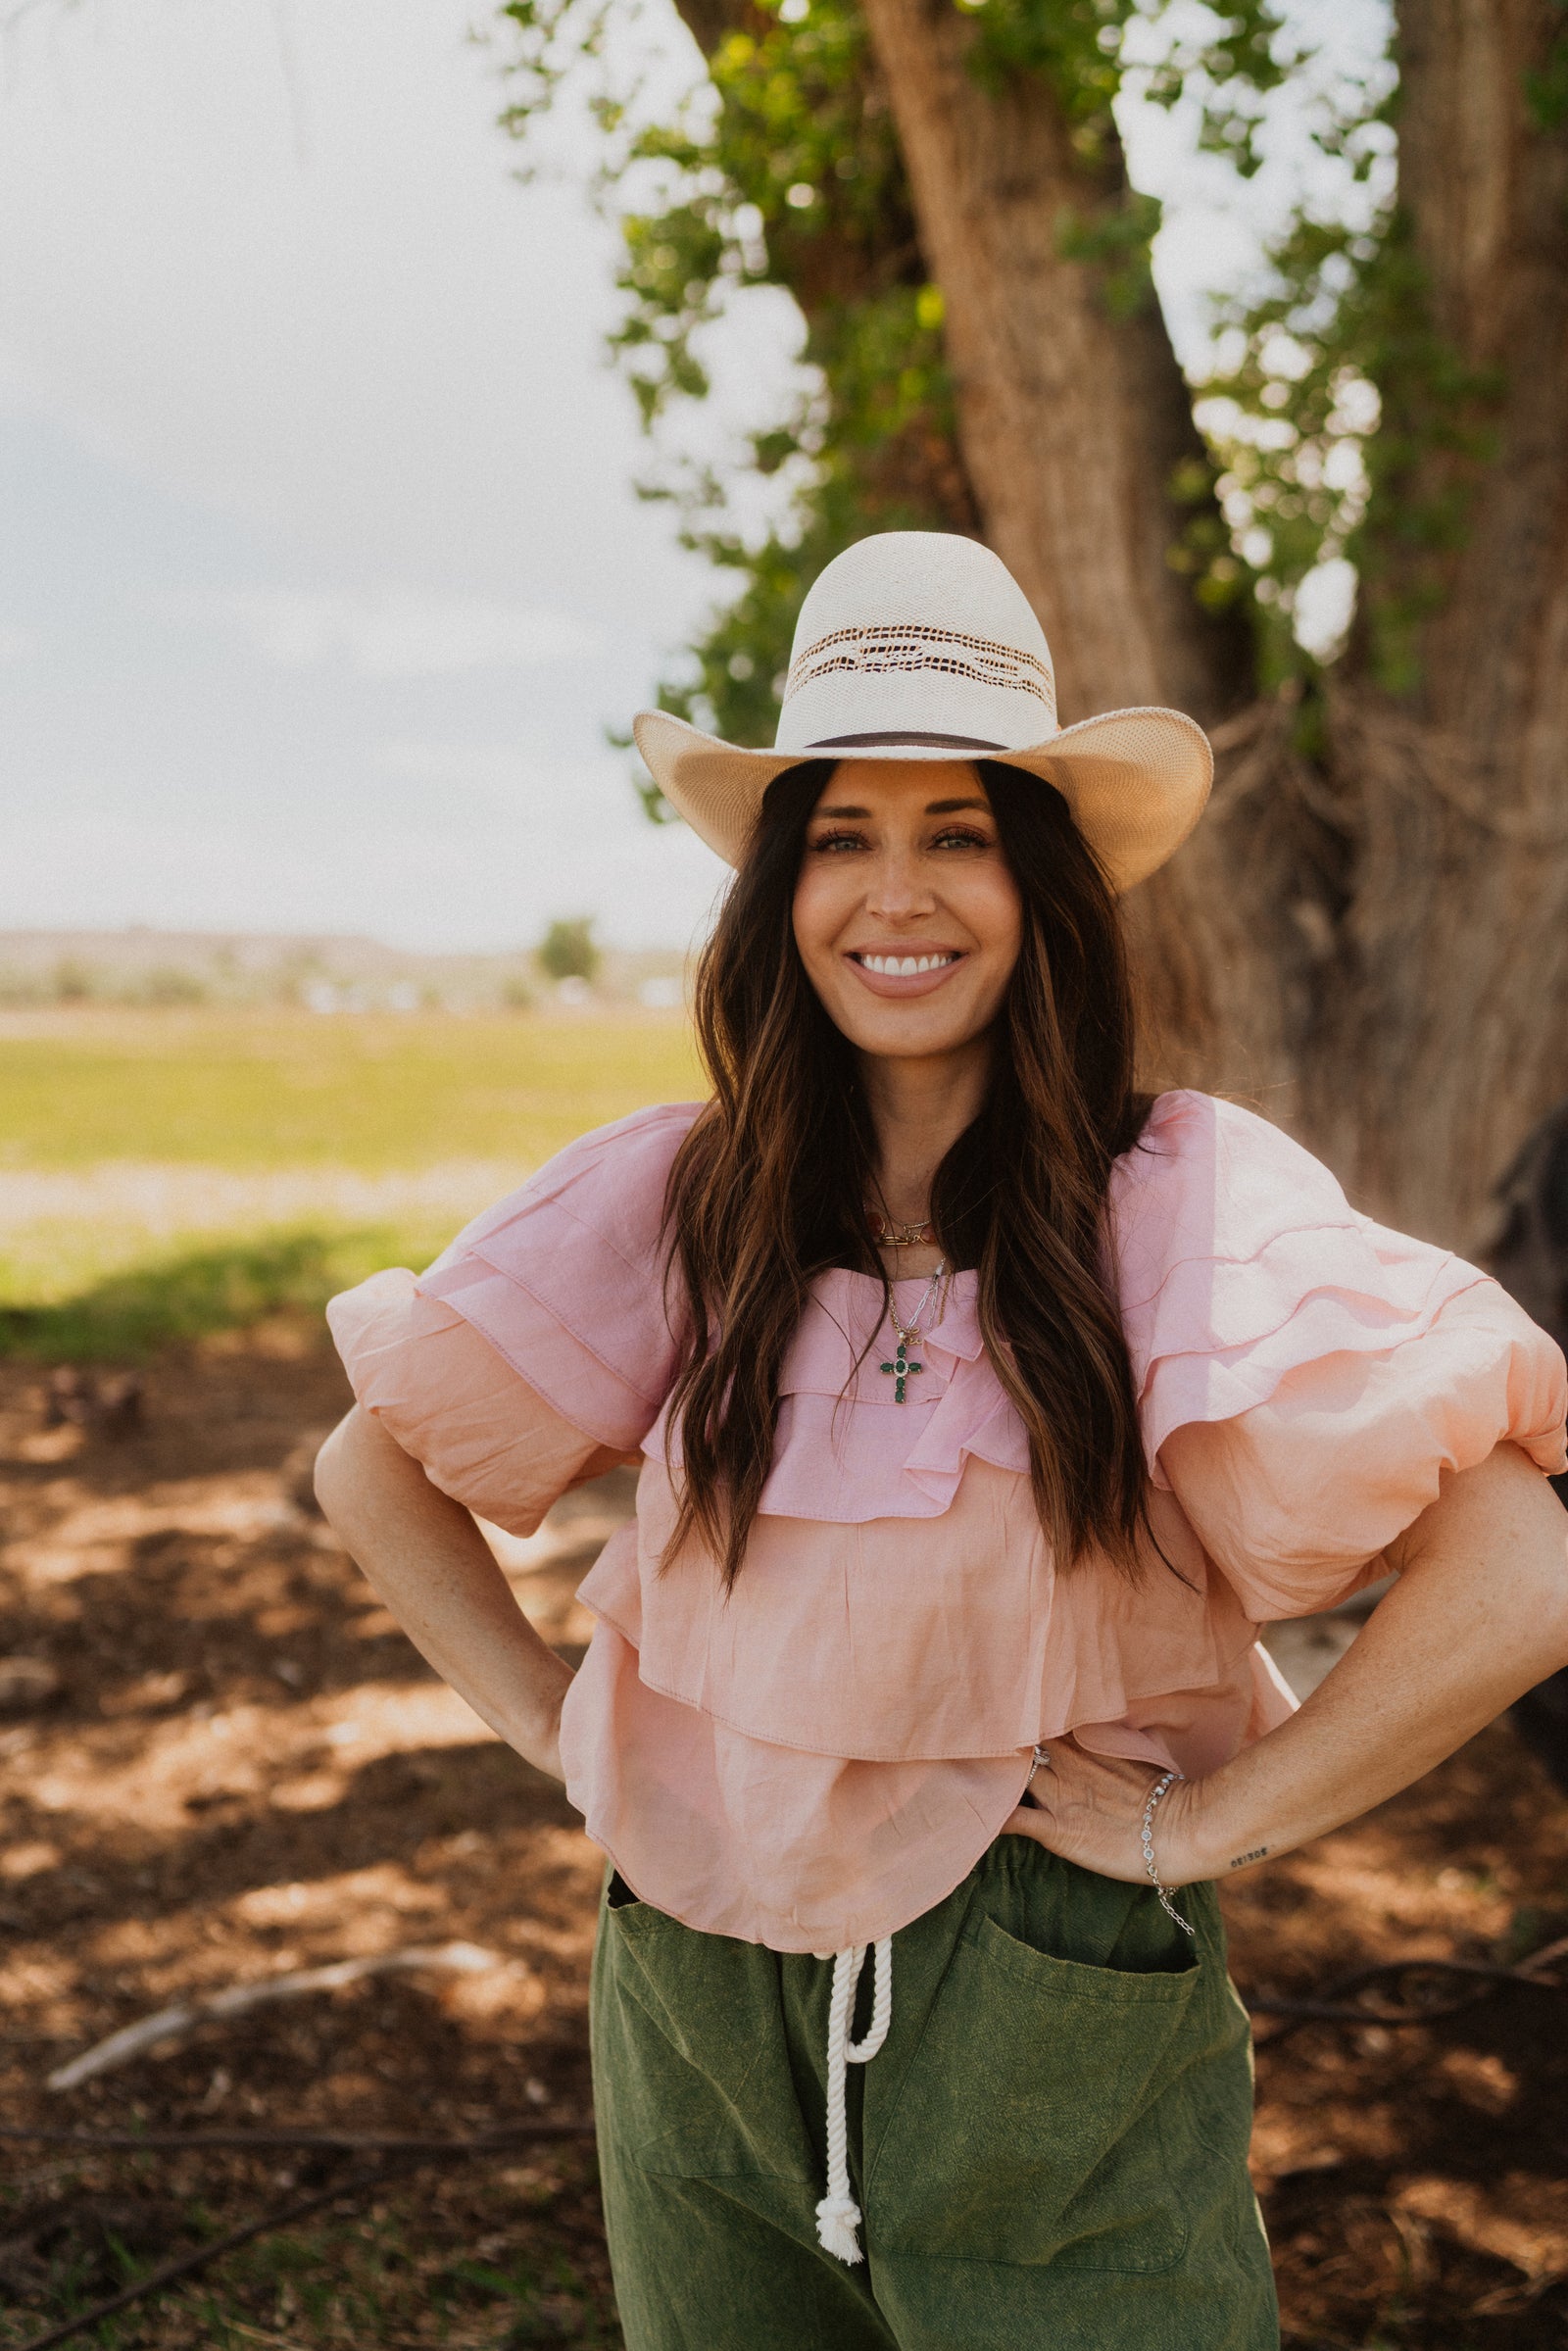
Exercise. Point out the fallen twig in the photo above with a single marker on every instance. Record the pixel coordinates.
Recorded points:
(185, 2264)
(1337, 2003)
(237, 1999)
(331, 2143)
(259, 2334)
(397, 2154)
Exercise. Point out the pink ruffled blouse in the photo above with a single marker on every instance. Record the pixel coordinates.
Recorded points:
(816, 1759)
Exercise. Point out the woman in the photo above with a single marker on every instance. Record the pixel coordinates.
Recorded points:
(985, 1410)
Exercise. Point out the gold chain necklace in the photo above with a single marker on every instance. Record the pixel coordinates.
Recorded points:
(903, 1236)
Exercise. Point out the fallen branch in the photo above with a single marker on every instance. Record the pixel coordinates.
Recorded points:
(185, 2264)
(1333, 2005)
(398, 2154)
(1338, 2004)
(238, 1999)
(330, 2142)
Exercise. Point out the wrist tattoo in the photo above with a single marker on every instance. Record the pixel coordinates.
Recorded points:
(1258, 1853)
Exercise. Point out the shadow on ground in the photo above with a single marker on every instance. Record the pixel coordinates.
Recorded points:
(229, 1764)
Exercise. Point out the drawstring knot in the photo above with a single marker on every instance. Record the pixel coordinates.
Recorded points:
(837, 2220)
(837, 2216)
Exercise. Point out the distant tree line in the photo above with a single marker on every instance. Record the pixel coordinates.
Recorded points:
(125, 969)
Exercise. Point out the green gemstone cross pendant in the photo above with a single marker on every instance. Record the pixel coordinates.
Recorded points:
(907, 1334)
(901, 1369)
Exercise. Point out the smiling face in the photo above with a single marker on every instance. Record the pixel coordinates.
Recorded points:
(907, 916)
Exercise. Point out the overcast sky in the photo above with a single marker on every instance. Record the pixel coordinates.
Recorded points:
(322, 571)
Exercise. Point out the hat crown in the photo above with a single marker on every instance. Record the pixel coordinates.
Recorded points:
(917, 634)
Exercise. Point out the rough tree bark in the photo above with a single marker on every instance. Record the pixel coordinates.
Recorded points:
(1445, 1033)
(1375, 940)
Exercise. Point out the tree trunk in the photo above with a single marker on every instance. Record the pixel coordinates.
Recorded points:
(1376, 942)
(1448, 1029)
(1368, 936)
(1072, 422)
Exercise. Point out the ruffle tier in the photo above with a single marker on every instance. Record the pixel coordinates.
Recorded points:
(1240, 1261)
(811, 1852)
(852, 1640)
(564, 1278)
(845, 1450)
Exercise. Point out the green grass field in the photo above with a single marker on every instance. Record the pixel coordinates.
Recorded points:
(165, 1173)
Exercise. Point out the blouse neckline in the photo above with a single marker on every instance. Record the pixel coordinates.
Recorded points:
(964, 1279)
(850, 1300)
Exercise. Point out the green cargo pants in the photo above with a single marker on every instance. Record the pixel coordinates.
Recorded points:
(1050, 2150)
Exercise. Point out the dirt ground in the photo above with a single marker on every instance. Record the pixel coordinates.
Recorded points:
(227, 1765)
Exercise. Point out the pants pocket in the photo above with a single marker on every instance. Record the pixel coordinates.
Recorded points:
(691, 2066)
(1029, 2128)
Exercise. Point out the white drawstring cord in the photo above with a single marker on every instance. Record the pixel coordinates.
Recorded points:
(837, 2216)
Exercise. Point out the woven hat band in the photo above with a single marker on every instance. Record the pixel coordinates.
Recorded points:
(905, 735)
(907, 645)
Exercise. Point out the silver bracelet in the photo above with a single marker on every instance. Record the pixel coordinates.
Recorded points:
(1156, 1797)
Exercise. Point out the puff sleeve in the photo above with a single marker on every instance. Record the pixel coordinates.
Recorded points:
(1304, 1375)
(536, 1351)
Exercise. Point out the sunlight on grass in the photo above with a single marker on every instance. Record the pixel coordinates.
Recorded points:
(61, 1233)
(164, 1175)
(376, 1093)
(193, 1292)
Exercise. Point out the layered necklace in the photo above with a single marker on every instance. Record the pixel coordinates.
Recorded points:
(890, 1234)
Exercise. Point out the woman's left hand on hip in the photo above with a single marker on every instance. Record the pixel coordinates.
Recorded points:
(1090, 1809)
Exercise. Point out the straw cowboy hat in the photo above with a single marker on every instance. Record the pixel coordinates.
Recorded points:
(920, 644)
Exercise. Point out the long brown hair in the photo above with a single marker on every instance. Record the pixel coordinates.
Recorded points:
(770, 1186)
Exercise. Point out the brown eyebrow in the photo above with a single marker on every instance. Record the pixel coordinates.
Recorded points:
(934, 807)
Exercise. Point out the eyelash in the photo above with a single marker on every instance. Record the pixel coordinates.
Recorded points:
(827, 841)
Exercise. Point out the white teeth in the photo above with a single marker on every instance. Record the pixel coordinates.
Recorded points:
(902, 967)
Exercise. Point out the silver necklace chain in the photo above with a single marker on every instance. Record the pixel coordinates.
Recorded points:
(910, 1331)
(907, 1334)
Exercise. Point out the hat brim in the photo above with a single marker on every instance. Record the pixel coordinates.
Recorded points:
(1136, 781)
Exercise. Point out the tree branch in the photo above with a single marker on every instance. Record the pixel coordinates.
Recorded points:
(238, 1999)
(708, 21)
